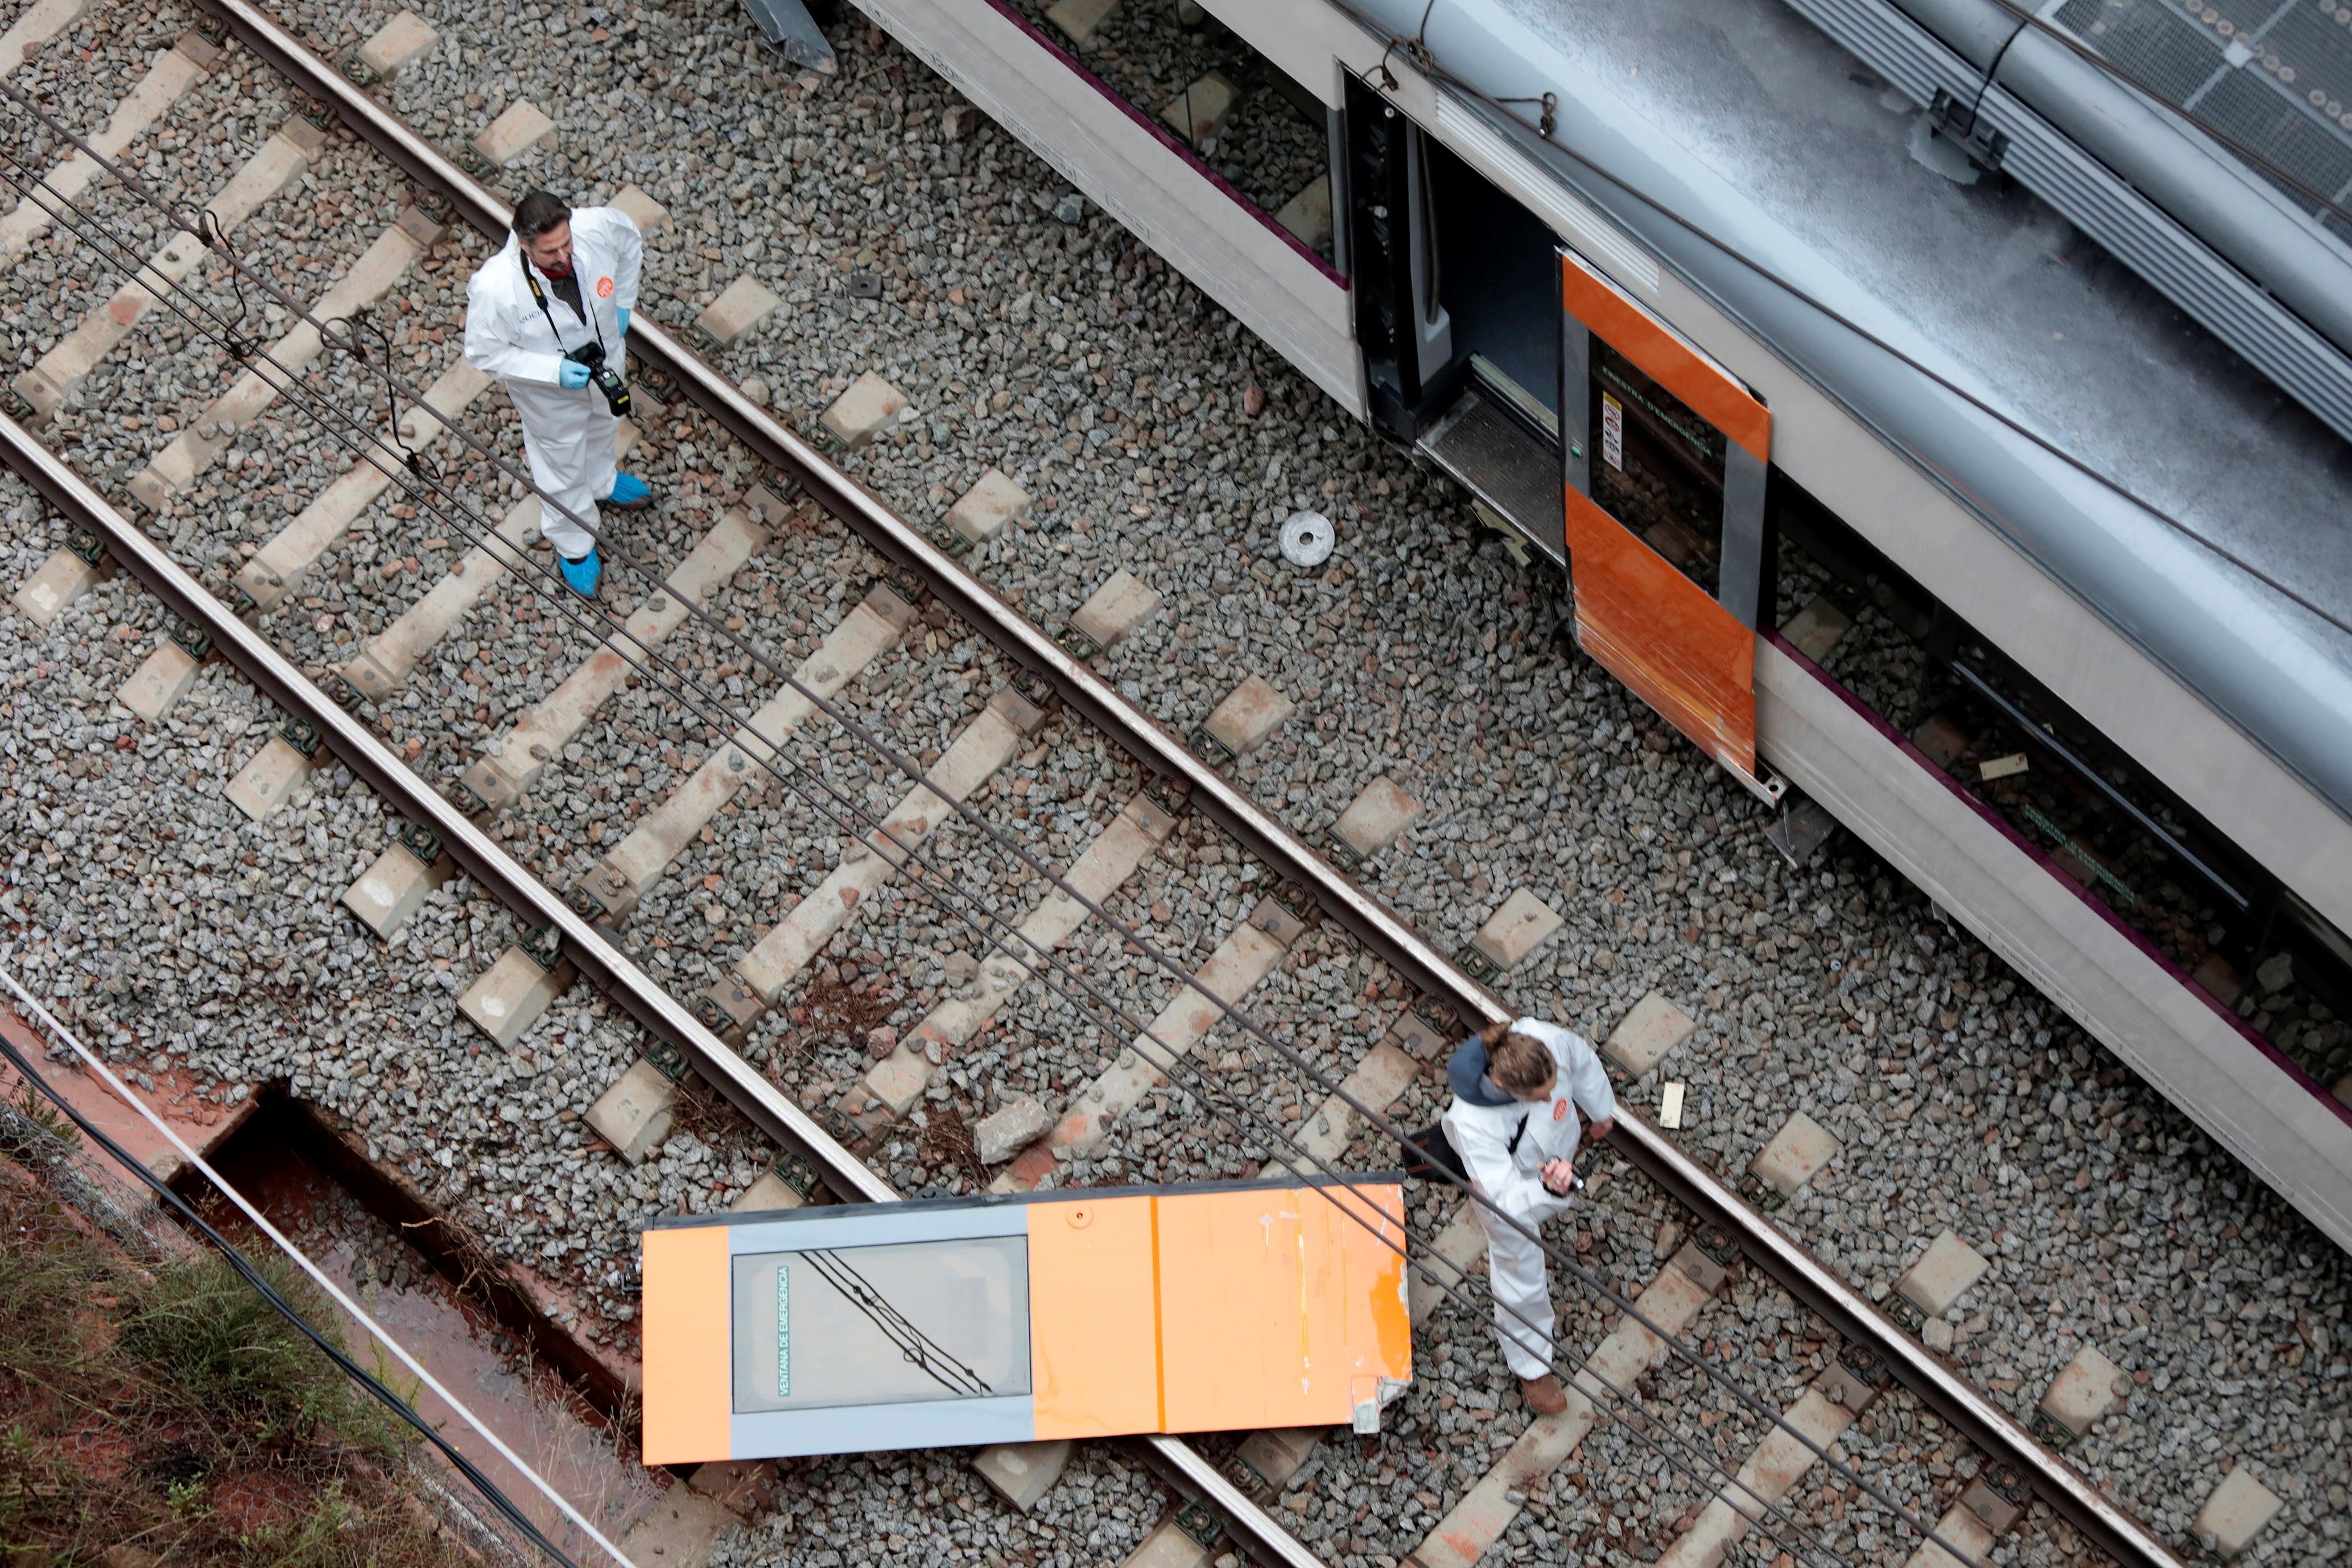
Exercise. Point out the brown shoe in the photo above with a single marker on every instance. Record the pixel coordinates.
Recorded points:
(1543, 1394)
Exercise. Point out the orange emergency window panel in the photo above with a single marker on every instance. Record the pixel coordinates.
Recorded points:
(1009, 1319)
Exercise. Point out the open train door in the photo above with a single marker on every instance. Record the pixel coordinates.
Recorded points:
(1666, 455)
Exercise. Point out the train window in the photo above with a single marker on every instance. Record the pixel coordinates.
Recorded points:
(1262, 135)
(1657, 467)
(893, 1324)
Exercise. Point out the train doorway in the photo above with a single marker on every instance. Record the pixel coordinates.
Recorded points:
(1458, 317)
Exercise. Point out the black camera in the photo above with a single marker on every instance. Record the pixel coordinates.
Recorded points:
(604, 378)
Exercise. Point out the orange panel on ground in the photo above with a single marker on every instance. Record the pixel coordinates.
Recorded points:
(688, 1351)
(1665, 358)
(1275, 1302)
(1659, 632)
(1094, 1327)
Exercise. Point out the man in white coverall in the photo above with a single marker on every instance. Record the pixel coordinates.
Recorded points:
(536, 314)
(1517, 1092)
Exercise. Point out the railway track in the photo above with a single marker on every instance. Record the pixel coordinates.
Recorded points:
(1146, 793)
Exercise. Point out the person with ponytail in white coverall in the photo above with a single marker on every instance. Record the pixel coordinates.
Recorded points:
(1518, 1088)
(566, 281)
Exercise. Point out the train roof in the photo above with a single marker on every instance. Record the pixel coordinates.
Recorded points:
(1739, 120)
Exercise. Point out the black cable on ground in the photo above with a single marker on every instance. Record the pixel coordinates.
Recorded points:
(490, 1490)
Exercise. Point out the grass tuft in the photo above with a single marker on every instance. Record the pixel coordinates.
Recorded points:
(167, 1414)
(225, 1356)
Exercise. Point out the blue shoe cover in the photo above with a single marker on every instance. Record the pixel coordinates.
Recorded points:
(584, 575)
(629, 490)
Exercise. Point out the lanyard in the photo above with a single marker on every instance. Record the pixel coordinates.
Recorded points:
(539, 297)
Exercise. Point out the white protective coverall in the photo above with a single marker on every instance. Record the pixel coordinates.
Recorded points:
(567, 431)
(1481, 1134)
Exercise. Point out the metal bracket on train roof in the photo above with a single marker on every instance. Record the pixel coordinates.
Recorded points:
(1957, 122)
(1767, 786)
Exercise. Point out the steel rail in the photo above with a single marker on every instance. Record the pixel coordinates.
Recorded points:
(583, 943)
(1968, 1410)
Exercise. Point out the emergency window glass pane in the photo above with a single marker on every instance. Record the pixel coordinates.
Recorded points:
(1657, 467)
(882, 1325)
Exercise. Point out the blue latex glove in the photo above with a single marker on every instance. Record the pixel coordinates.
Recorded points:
(571, 372)
(622, 311)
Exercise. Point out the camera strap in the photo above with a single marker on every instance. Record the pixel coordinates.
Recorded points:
(539, 298)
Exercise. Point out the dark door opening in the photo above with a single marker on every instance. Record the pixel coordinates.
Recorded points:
(1499, 281)
(1484, 306)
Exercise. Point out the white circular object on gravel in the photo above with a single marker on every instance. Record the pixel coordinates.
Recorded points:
(1307, 538)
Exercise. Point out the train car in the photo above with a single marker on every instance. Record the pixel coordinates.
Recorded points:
(1937, 409)
(1095, 1314)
